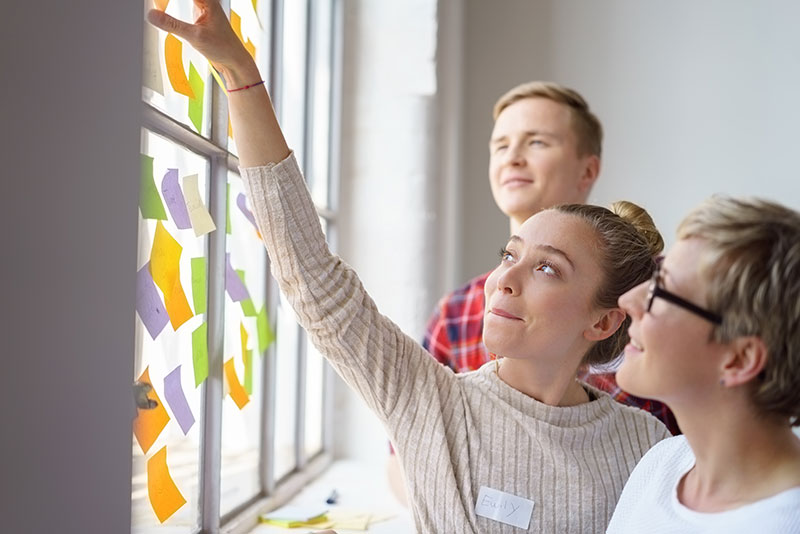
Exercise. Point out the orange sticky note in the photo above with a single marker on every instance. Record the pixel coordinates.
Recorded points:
(237, 391)
(161, 4)
(251, 48)
(165, 259)
(236, 24)
(165, 497)
(173, 53)
(149, 423)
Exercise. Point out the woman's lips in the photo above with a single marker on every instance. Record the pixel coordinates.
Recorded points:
(502, 313)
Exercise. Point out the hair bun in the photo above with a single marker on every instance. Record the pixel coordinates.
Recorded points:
(641, 220)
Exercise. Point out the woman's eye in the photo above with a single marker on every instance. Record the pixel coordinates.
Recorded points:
(547, 269)
(505, 255)
(536, 142)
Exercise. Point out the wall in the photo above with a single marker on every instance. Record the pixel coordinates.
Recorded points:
(696, 97)
(71, 97)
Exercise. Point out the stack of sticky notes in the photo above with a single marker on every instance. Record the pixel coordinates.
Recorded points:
(295, 516)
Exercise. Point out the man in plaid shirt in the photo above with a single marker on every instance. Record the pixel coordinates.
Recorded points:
(544, 150)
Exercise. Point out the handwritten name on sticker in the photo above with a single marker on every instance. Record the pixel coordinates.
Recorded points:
(504, 507)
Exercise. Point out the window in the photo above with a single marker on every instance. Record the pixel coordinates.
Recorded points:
(231, 396)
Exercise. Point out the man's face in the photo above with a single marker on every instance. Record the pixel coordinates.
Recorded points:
(534, 162)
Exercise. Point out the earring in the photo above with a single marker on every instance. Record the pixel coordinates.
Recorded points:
(722, 382)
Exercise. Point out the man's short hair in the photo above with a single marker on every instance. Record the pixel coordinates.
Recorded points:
(752, 269)
(585, 124)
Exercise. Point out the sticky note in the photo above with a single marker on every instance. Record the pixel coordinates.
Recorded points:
(237, 392)
(236, 24)
(248, 372)
(241, 202)
(200, 354)
(173, 54)
(251, 48)
(149, 423)
(228, 208)
(196, 103)
(173, 392)
(173, 196)
(161, 4)
(164, 266)
(199, 284)
(165, 497)
(243, 336)
(198, 214)
(151, 67)
(148, 303)
(233, 284)
(149, 200)
(265, 333)
(248, 308)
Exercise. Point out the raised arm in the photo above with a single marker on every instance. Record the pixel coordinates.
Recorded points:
(258, 136)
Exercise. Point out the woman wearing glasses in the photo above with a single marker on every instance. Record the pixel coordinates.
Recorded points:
(517, 446)
(718, 327)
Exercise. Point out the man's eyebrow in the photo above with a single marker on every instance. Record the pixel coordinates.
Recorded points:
(528, 133)
(548, 248)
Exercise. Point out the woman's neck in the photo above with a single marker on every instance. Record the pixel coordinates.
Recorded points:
(741, 458)
(553, 386)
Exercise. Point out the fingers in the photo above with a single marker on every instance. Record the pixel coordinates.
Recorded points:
(170, 24)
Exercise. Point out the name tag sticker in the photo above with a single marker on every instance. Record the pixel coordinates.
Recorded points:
(503, 507)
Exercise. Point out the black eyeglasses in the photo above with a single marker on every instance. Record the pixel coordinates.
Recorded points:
(657, 291)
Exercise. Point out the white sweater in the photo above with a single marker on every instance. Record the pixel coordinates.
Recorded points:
(453, 433)
(649, 502)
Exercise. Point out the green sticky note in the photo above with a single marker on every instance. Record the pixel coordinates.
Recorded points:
(247, 304)
(228, 211)
(248, 372)
(199, 285)
(265, 333)
(196, 103)
(200, 354)
(149, 200)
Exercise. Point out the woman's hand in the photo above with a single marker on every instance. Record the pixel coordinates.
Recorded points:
(212, 35)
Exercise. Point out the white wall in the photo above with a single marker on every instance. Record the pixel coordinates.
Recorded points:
(71, 99)
(696, 97)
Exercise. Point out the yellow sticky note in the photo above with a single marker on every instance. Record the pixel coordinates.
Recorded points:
(243, 334)
(165, 497)
(149, 423)
(202, 223)
(161, 4)
(173, 54)
(251, 48)
(236, 24)
(165, 259)
(151, 69)
(237, 392)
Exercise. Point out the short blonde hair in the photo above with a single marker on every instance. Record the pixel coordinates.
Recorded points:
(752, 269)
(585, 124)
(628, 244)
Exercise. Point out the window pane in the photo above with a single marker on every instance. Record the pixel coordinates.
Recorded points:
(253, 19)
(170, 326)
(245, 343)
(320, 101)
(293, 76)
(287, 346)
(176, 78)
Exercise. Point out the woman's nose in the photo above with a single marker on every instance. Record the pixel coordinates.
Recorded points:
(633, 300)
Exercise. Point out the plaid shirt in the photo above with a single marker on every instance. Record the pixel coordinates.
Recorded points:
(454, 337)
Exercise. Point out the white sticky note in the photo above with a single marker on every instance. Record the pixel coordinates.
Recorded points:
(504, 507)
(202, 223)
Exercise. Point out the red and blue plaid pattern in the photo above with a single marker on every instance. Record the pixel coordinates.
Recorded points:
(454, 337)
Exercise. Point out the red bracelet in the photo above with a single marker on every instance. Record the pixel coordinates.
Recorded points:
(246, 87)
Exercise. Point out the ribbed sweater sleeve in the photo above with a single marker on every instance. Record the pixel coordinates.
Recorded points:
(453, 433)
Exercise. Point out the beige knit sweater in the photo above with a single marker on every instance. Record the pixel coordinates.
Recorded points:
(453, 433)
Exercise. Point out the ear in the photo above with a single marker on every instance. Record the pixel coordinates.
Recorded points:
(590, 172)
(746, 359)
(606, 325)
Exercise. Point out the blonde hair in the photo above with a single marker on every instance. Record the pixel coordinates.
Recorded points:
(585, 124)
(752, 269)
(629, 245)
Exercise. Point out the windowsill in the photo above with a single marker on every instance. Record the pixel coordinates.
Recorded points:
(361, 488)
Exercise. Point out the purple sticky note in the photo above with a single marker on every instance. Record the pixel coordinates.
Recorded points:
(241, 201)
(173, 392)
(233, 284)
(148, 303)
(173, 196)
